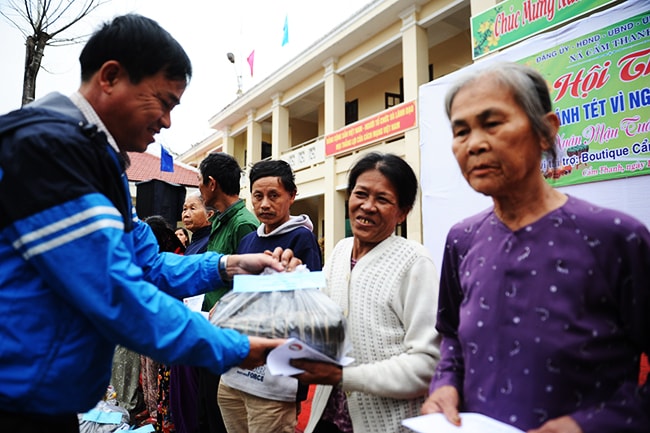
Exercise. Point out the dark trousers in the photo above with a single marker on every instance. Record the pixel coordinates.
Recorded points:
(184, 397)
(210, 420)
(326, 427)
(36, 423)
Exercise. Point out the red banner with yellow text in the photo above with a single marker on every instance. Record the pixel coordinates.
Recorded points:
(389, 123)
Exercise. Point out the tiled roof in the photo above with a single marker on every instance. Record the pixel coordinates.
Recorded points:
(146, 166)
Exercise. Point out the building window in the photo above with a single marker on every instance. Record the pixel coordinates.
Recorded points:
(348, 228)
(400, 229)
(351, 111)
(392, 99)
(266, 150)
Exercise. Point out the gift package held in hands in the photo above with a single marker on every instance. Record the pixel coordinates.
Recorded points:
(283, 305)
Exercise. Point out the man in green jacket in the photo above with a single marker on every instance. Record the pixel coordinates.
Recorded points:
(219, 183)
(219, 179)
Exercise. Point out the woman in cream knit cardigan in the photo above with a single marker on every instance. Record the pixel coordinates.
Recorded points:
(388, 289)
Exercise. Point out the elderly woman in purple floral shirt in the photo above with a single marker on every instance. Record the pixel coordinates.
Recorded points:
(544, 302)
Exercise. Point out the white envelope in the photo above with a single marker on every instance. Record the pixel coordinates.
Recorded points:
(278, 360)
(470, 423)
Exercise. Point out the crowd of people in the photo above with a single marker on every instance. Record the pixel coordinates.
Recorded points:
(538, 317)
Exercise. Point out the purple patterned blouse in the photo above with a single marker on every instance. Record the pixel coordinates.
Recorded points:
(549, 320)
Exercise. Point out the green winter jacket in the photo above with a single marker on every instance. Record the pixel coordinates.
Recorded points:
(228, 228)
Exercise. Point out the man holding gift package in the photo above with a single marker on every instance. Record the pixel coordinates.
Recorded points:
(79, 272)
(256, 401)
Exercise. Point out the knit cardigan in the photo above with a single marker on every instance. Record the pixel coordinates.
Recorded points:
(391, 300)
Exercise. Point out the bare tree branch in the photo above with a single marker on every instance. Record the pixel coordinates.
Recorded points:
(38, 21)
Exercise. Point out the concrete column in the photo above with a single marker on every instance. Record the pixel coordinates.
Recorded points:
(478, 6)
(415, 54)
(253, 139)
(279, 127)
(227, 141)
(334, 201)
(334, 207)
(415, 66)
(321, 218)
(334, 97)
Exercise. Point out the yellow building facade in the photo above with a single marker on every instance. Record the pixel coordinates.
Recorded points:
(342, 97)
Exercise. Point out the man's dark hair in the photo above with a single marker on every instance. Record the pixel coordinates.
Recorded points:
(274, 168)
(224, 169)
(141, 46)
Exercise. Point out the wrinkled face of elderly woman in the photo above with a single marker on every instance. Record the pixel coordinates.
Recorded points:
(374, 208)
(493, 141)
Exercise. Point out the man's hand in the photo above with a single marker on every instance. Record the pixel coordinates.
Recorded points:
(444, 399)
(259, 350)
(317, 372)
(279, 260)
(563, 424)
(286, 259)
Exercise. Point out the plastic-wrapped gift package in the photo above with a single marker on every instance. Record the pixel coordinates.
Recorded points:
(283, 312)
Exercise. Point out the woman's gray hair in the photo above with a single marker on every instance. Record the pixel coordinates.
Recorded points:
(528, 89)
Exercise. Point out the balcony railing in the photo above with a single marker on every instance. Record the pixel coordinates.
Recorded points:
(305, 154)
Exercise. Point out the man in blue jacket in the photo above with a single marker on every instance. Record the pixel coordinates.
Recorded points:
(79, 272)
